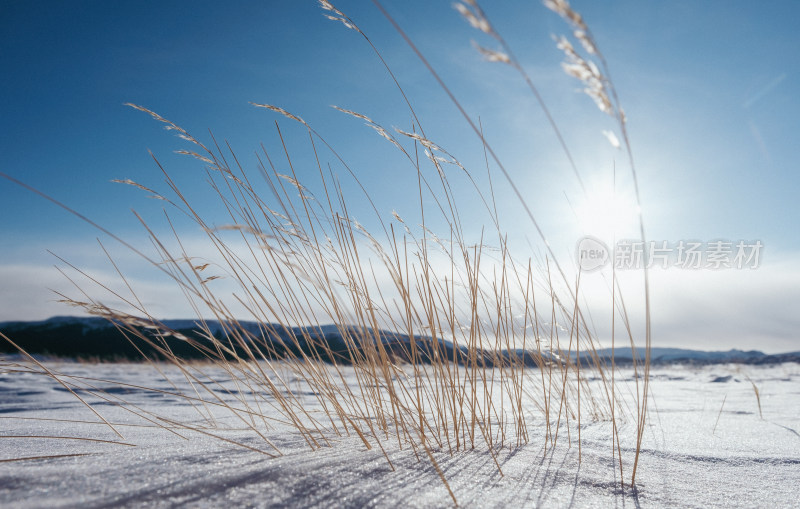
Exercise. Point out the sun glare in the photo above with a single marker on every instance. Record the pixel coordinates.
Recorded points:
(608, 213)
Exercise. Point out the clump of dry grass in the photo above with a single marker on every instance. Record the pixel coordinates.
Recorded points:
(300, 258)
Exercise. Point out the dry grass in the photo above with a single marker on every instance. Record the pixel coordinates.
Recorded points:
(301, 258)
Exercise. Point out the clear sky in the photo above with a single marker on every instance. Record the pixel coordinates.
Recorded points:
(709, 89)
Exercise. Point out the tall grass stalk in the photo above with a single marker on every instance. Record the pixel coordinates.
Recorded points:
(426, 363)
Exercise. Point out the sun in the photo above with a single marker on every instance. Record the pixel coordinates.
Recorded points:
(608, 211)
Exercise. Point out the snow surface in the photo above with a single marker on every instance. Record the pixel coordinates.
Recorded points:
(705, 446)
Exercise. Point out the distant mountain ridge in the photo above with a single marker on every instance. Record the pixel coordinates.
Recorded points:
(94, 337)
(659, 355)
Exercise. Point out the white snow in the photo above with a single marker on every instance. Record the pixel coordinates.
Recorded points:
(697, 451)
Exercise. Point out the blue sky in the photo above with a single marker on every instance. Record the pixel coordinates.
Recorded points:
(707, 88)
